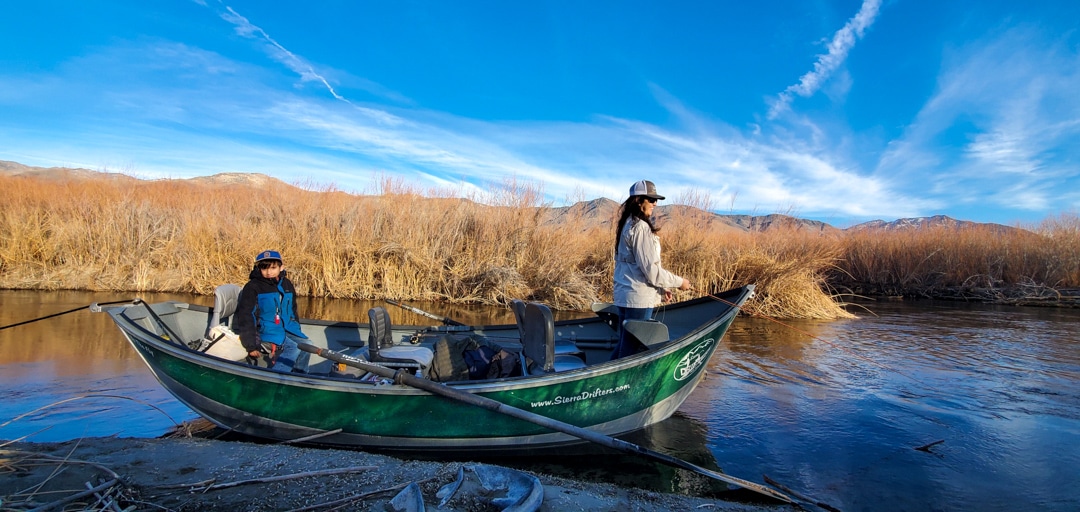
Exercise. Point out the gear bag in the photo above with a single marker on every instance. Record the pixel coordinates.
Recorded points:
(471, 358)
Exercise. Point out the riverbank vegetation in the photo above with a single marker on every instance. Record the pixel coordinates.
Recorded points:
(1037, 264)
(115, 233)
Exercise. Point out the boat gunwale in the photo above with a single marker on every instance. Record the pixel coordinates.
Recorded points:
(327, 382)
(659, 311)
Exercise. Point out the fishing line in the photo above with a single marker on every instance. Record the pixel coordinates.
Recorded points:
(63, 313)
(796, 329)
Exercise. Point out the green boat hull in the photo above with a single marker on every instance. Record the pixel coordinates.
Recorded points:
(612, 398)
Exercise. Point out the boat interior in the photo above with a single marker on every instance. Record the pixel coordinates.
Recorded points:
(536, 344)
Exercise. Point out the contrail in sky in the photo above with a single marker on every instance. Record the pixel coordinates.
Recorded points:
(842, 42)
(247, 29)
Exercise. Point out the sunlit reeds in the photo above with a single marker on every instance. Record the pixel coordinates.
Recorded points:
(1061, 235)
(981, 261)
(119, 234)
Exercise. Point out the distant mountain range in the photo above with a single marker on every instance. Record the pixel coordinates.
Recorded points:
(602, 211)
(922, 222)
(591, 213)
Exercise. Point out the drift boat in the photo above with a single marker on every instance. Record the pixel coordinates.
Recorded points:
(566, 375)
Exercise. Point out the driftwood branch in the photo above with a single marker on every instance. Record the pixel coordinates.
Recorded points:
(191, 485)
(225, 485)
(105, 499)
(316, 436)
(332, 505)
(76, 496)
(926, 447)
(62, 463)
(32, 457)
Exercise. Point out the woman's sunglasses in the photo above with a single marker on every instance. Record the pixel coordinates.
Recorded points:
(651, 200)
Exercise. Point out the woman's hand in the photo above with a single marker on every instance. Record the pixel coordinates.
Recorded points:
(255, 354)
(685, 285)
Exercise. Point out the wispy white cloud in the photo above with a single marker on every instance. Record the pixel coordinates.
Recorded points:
(761, 174)
(1006, 149)
(998, 130)
(837, 51)
(174, 128)
(307, 72)
(278, 52)
(1004, 115)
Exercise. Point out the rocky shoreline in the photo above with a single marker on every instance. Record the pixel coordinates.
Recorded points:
(190, 473)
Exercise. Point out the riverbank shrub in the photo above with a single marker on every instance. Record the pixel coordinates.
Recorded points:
(116, 233)
(985, 261)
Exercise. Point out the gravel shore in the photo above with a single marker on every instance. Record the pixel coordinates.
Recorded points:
(184, 474)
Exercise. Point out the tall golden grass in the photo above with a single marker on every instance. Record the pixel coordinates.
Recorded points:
(982, 261)
(121, 234)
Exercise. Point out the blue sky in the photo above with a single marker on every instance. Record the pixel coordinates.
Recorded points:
(841, 111)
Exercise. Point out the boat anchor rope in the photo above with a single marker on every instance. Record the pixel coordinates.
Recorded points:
(80, 308)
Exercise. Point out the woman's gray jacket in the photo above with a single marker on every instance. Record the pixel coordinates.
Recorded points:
(640, 280)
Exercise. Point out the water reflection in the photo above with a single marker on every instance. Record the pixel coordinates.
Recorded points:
(73, 340)
(835, 415)
(839, 414)
(680, 436)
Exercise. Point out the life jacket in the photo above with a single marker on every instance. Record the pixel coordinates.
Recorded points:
(268, 310)
(275, 315)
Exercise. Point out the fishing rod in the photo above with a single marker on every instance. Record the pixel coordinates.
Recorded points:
(63, 313)
(796, 329)
(443, 319)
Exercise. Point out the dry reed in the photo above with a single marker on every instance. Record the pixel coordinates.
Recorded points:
(982, 261)
(121, 234)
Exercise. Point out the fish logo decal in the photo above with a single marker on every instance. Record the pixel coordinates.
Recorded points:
(693, 359)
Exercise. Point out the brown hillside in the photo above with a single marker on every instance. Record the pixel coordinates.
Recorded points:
(587, 215)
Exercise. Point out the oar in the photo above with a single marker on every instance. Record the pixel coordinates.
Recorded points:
(440, 389)
(443, 319)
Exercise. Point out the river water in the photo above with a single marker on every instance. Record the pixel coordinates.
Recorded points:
(834, 410)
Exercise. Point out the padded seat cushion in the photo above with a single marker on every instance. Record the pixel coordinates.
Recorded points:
(422, 355)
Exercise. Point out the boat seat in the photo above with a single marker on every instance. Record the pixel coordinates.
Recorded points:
(381, 347)
(607, 312)
(649, 333)
(226, 297)
(538, 343)
(563, 346)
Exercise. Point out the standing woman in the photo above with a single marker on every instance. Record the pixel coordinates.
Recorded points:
(641, 283)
